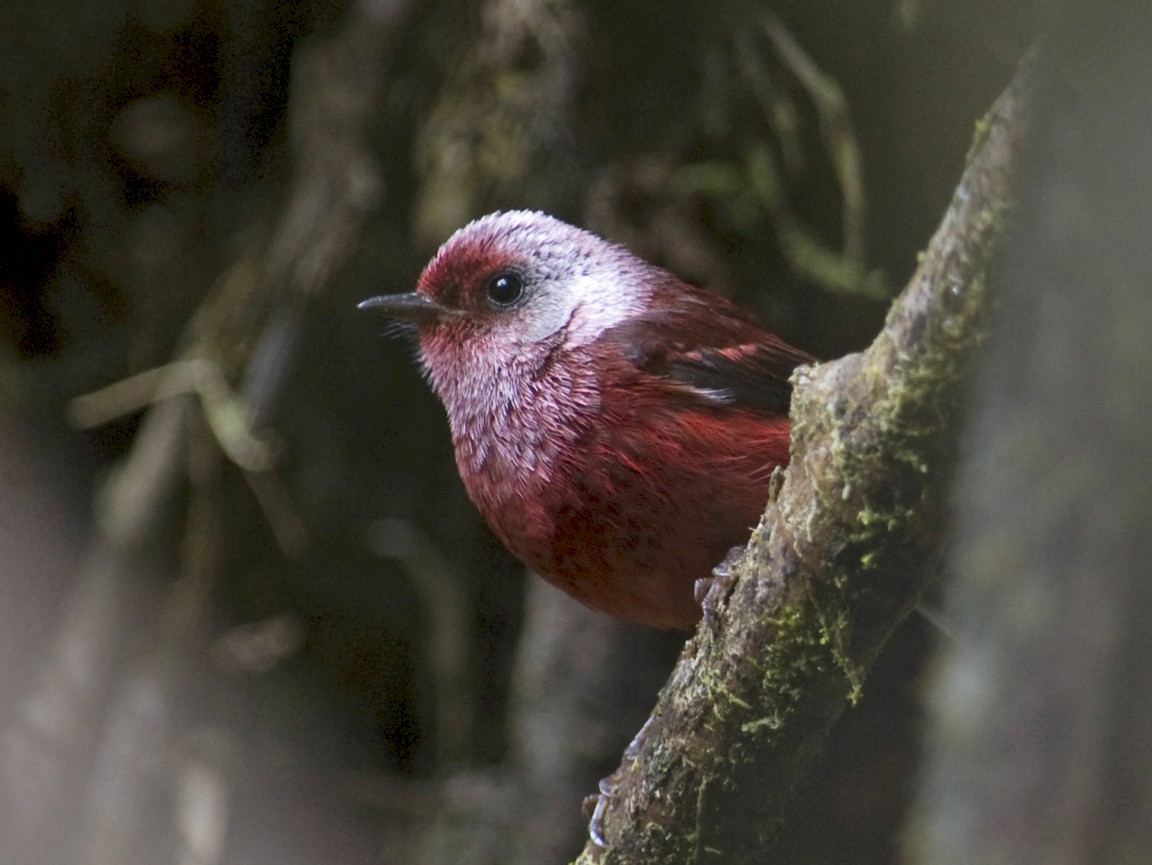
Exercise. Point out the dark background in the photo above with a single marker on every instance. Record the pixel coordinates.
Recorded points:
(324, 656)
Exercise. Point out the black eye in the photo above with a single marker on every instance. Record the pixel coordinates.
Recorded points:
(504, 289)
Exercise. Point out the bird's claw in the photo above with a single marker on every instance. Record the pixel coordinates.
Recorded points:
(597, 804)
(712, 591)
(594, 806)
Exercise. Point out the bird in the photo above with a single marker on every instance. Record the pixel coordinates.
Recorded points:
(616, 427)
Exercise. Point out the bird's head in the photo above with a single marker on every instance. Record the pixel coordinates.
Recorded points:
(512, 281)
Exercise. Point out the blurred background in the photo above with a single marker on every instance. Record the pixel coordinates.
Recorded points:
(248, 614)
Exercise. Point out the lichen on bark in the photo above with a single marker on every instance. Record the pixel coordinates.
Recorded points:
(842, 554)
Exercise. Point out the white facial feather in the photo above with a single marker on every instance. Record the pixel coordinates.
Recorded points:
(578, 280)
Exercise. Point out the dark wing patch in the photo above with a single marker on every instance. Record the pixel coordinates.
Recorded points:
(716, 353)
(753, 376)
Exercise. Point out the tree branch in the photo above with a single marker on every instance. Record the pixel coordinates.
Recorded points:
(841, 556)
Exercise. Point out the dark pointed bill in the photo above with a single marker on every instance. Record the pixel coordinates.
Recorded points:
(413, 307)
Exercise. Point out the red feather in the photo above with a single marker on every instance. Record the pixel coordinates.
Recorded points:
(616, 427)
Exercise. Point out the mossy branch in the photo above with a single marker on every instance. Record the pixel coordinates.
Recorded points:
(842, 554)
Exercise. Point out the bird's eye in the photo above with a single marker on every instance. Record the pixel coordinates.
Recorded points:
(504, 289)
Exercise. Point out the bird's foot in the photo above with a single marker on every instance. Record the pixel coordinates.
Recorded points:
(712, 592)
(595, 806)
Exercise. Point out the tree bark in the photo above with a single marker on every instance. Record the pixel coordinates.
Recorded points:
(841, 556)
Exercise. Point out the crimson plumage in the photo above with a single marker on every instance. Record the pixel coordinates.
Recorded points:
(615, 426)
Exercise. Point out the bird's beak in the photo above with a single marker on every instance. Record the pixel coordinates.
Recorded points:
(415, 307)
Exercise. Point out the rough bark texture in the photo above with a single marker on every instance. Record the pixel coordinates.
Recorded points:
(1042, 709)
(841, 556)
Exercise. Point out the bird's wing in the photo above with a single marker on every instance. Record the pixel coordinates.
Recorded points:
(714, 354)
